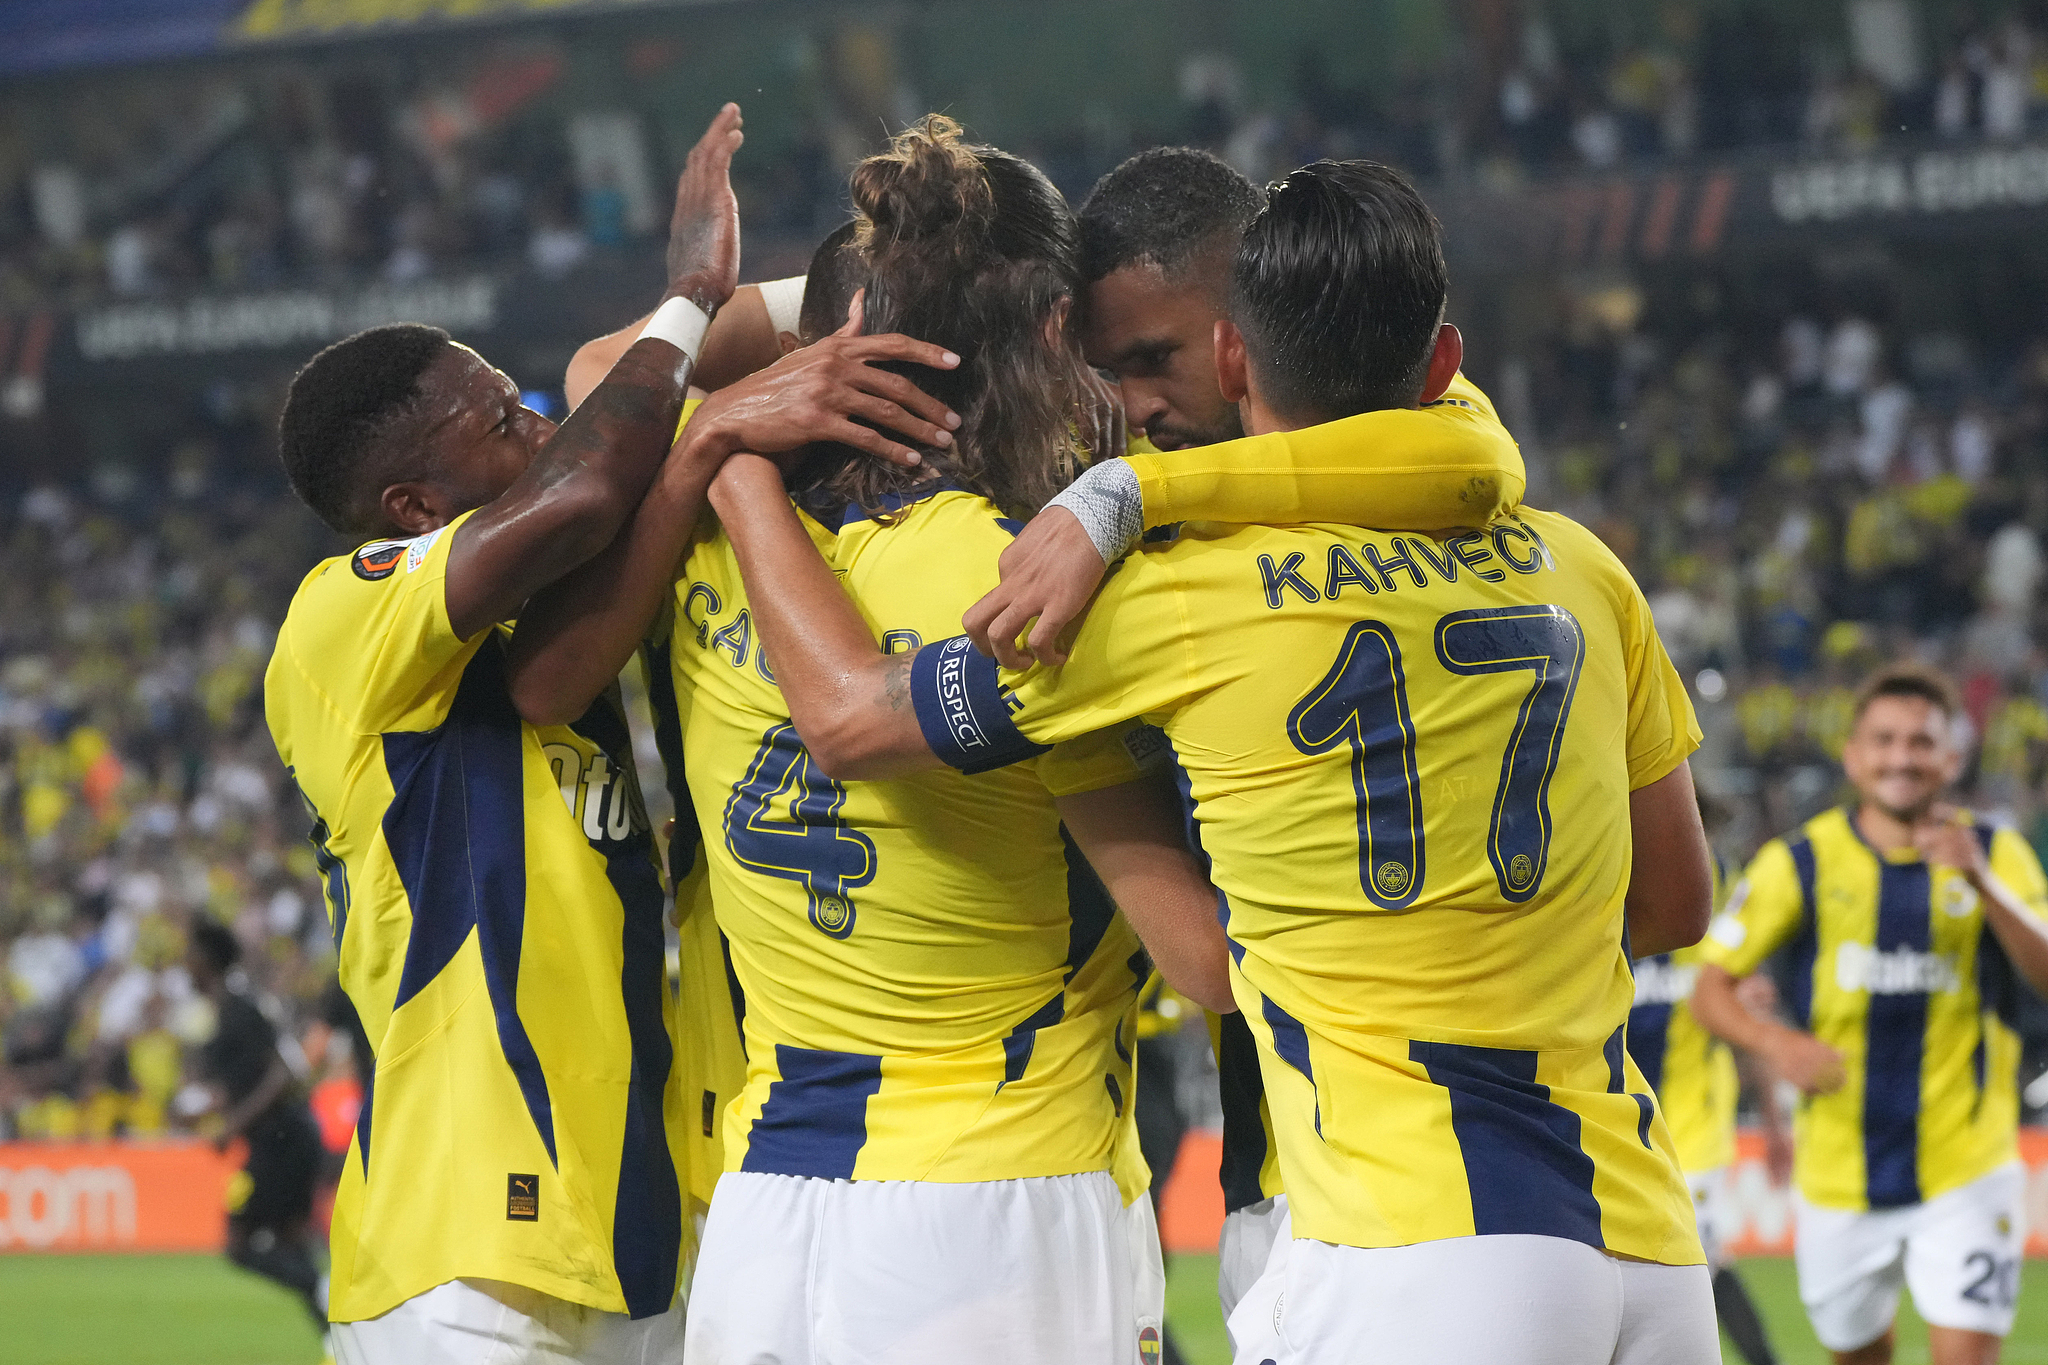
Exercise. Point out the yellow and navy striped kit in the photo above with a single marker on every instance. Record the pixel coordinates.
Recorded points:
(935, 986)
(1692, 1071)
(1894, 968)
(498, 917)
(1378, 732)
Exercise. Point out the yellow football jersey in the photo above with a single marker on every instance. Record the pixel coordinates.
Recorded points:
(935, 986)
(1692, 1071)
(1894, 968)
(498, 917)
(1450, 463)
(1377, 731)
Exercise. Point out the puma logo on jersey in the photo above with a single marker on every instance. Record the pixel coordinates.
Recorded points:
(1663, 983)
(522, 1198)
(1901, 971)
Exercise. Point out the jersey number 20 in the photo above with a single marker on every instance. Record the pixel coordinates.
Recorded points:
(1363, 701)
(811, 845)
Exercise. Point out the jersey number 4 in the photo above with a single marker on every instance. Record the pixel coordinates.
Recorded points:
(783, 821)
(1363, 702)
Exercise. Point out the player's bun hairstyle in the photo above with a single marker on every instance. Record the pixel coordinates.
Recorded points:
(1339, 287)
(834, 278)
(1163, 207)
(1909, 680)
(216, 944)
(973, 249)
(338, 406)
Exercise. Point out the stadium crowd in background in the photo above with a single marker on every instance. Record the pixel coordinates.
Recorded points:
(269, 174)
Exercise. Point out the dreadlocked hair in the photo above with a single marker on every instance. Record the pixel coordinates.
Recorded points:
(972, 249)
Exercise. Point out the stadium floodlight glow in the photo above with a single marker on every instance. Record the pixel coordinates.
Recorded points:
(1710, 685)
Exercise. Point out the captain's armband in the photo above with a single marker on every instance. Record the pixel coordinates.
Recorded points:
(964, 710)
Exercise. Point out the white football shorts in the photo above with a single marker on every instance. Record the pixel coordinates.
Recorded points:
(488, 1322)
(1246, 1245)
(1959, 1254)
(1538, 1301)
(796, 1270)
(1710, 1210)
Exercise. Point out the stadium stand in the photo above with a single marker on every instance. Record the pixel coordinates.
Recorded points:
(1805, 480)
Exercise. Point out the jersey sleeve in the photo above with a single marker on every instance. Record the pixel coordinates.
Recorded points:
(1107, 758)
(1424, 469)
(1762, 913)
(371, 635)
(2014, 863)
(1662, 729)
(1132, 658)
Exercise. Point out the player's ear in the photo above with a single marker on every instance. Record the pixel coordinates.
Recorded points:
(1443, 362)
(1230, 362)
(414, 508)
(1056, 322)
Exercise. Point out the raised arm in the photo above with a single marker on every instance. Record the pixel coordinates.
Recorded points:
(575, 636)
(742, 340)
(1449, 463)
(590, 475)
(849, 701)
(1133, 836)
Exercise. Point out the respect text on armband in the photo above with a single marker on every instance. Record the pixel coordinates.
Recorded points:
(1512, 547)
(950, 685)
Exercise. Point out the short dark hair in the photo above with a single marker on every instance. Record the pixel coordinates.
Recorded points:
(216, 944)
(836, 275)
(1162, 207)
(1339, 287)
(1909, 680)
(338, 405)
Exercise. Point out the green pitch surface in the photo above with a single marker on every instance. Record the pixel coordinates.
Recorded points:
(199, 1310)
(1196, 1323)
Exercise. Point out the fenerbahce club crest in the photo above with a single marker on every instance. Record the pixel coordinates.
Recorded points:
(1148, 1346)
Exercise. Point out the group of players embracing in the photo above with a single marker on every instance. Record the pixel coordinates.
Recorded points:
(1397, 803)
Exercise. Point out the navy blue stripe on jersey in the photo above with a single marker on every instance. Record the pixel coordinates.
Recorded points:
(1524, 1167)
(1089, 912)
(456, 828)
(647, 1221)
(964, 710)
(1895, 1033)
(1018, 1043)
(1803, 952)
(815, 1120)
(363, 1112)
(1648, 1033)
(1244, 1130)
(681, 854)
(735, 990)
(1623, 1040)
(1290, 1040)
(833, 514)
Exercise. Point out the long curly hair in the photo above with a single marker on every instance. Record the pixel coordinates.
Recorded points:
(973, 249)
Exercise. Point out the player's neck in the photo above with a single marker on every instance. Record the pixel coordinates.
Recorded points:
(1881, 829)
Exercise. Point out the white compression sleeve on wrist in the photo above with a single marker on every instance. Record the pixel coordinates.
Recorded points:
(681, 324)
(1110, 506)
(784, 300)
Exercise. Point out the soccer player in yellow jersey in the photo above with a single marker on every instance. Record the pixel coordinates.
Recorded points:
(1694, 1075)
(512, 1190)
(1378, 731)
(1911, 925)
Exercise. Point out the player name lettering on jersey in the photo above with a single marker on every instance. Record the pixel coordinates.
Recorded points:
(1416, 561)
(1898, 971)
(1664, 983)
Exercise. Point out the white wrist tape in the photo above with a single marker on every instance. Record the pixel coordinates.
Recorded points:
(785, 303)
(1110, 506)
(681, 324)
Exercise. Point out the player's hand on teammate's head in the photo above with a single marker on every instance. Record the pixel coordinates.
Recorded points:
(1049, 574)
(1099, 415)
(704, 230)
(834, 390)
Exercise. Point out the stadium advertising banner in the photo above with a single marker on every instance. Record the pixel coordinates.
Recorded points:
(1702, 209)
(114, 1196)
